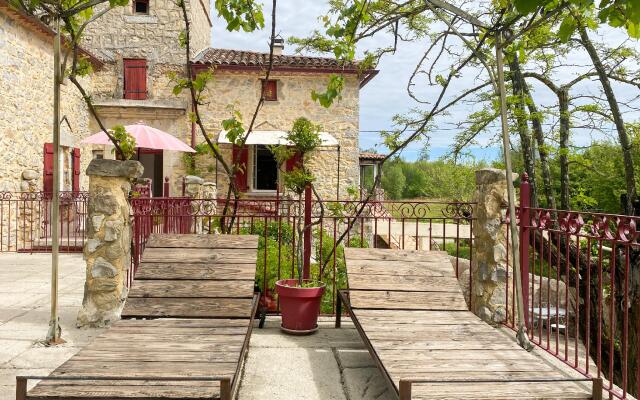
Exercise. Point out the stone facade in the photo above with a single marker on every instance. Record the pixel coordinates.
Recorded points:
(153, 36)
(26, 115)
(489, 267)
(107, 250)
(122, 34)
(341, 120)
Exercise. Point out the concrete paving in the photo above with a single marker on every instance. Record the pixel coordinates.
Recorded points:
(331, 364)
(24, 315)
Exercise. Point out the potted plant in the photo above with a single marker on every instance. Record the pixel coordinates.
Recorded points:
(300, 297)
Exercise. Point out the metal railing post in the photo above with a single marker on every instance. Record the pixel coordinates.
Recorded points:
(525, 240)
(306, 272)
(165, 187)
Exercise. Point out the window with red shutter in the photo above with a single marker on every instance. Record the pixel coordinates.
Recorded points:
(270, 90)
(47, 178)
(135, 79)
(241, 156)
(75, 153)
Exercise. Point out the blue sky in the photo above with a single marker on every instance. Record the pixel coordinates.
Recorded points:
(386, 95)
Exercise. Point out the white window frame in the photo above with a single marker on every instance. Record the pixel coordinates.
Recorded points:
(251, 177)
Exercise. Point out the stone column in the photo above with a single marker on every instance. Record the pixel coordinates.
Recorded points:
(193, 186)
(108, 247)
(489, 267)
(29, 209)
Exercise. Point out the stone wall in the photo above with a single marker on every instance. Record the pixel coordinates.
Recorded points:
(26, 114)
(108, 247)
(121, 33)
(242, 91)
(489, 267)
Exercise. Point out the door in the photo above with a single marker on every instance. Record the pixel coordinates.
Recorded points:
(151, 160)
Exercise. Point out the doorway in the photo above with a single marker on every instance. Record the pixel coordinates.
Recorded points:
(152, 160)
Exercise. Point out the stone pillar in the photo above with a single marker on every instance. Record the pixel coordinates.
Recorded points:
(30, 209)
(108, 247)
(208, 207)
(193, 186)
(489, 267)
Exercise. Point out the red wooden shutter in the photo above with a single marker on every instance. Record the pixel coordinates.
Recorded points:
(75, 153)
(293, 162)
(241, 156)
(47, 185)
(135, 79)
(270, 90)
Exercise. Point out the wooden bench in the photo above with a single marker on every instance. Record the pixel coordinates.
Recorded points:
(185, 329)
(411, 314)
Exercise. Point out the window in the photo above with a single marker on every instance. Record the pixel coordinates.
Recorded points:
(98, 154)
(141, 6)
(270, 90)
(265, 169)
(135, 79)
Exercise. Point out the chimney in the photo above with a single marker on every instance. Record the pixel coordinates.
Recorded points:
(278, 46)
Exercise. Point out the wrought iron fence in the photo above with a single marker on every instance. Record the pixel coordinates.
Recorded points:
(581, 274)
(387, 224)
(25, 221)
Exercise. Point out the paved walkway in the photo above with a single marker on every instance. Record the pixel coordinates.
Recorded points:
(24, 315)
(331, 364)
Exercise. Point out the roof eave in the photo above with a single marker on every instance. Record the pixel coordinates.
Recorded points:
(367, 75)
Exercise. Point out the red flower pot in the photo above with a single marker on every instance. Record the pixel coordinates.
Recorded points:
(300, 306)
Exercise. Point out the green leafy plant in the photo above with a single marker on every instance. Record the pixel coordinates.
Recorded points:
(303, 139)
(125, 140)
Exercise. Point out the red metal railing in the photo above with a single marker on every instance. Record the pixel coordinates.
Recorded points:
(25, 221)
(411, 224)
(583, 290)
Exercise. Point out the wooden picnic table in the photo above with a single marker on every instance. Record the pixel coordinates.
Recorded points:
(185, 329)
(409, 309)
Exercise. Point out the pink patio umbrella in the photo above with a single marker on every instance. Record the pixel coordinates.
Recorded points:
(146, 137)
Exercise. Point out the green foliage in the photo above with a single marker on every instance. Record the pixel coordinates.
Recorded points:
(304, 136)
(198, 83)
(297, 180)
(84, 67)
(241, 14)
(281, 153)
(279, 262)
(429, 179)
(461, 250)
(616, 13)
(125, 140)
(393, 181)
(233, 126)
(333, 91)
(596, 173)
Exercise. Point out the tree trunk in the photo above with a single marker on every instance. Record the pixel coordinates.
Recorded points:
(536, 123)
(563, 104)
(523, 127)
(629, 173)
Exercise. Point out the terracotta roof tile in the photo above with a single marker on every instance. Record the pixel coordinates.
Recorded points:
(372, 156)
(230, 57)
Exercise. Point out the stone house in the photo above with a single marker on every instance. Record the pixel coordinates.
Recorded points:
(136, 47)
(26, 115)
